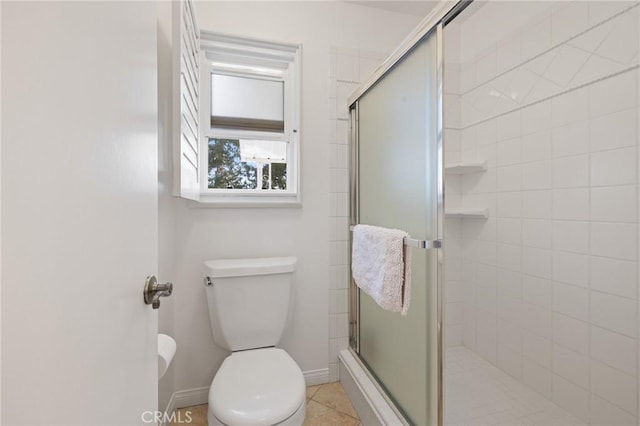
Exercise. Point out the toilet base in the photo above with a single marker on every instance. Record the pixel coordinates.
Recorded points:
(296, 419)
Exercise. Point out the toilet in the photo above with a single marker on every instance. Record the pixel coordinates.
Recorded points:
(258, 384)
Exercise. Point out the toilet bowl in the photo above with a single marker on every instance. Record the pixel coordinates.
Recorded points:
(258, 384)
(258, 387)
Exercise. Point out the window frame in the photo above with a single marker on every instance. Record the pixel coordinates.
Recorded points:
(241, 57)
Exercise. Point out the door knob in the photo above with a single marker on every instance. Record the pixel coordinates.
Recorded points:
(154, 291)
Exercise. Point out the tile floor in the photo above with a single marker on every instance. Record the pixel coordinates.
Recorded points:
(327, 405)
(479, 394)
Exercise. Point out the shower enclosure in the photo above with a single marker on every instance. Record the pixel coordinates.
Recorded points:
(525, 116)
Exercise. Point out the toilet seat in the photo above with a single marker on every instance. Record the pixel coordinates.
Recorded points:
(257, 387)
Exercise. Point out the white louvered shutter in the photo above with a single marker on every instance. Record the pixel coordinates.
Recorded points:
(186, 73)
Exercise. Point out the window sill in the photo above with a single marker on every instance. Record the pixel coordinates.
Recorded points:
(215, 201)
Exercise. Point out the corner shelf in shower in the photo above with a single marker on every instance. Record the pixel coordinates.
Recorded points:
(466, 167)
(468, 212)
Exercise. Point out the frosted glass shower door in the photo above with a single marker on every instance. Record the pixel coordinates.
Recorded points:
(397, 175)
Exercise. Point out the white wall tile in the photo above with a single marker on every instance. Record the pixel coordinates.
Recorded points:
(601, 10)
(571, 333)
(510, 361)
(509, 231)
(486, 346)
(537, 175)
(617, 130)
(571, 236)
(347, 68)
(614, 204)
(568, 19)
(508, 126)
(509, 204)
(509, 178)
(614, 349)
(536, 319)
(562, 191)
(509, 283)
(571, 268)
(571, 397)
(486, 67)
(571, 139)
(508, 54)
(536, 262)
(536, 118)
(343, 91)
(510, 335)
(614, 313)
(536, 146)
(536, 349)
(617, 167)
(571, 365)
(509, 309)
(613, 94)
(571, 204)
(567, 61)
(369, 65)
(571, 301)
(614, 386)
(536, 376)
(536, 233)
(618, 240)
(571, 172)
(536, 204)
(604, 413)
(509, 152)
(536, 38)
(537, 291)
(614, 276)
(570, 107)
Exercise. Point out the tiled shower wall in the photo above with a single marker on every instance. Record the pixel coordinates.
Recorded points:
(549, 283)
(349, 67)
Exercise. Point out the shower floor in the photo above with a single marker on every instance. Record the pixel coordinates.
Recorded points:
(479, 394)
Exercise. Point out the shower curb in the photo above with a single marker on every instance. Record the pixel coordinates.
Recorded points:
(368, 401)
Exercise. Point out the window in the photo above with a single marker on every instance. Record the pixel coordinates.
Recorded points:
(236, 111)
(249, 109)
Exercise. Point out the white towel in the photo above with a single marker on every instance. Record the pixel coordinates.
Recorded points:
(381, 266)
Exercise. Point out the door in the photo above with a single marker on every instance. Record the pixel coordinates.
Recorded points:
(398, 187)
(79, 212)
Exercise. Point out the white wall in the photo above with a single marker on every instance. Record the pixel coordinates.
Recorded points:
(201, 234)
(551, 278)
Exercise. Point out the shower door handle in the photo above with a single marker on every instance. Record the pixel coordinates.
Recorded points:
(423, 244)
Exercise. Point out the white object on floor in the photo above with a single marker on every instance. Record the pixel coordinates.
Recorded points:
(166, 350)
(258, 384)
(381, 266)
(479, 394)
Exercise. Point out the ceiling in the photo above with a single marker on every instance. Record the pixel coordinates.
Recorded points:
(417, 7)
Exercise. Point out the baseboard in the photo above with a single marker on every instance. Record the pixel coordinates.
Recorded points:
(184, 398)
(190, 397)
(316, 377)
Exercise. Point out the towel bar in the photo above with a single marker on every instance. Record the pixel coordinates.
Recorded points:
(423, 244)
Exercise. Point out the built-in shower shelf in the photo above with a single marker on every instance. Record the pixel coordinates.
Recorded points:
(466, 167)
(468, 212)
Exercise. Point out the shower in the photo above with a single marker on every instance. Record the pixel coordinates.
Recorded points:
(507, 132)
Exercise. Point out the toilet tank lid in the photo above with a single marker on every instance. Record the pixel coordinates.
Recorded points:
(221, 268)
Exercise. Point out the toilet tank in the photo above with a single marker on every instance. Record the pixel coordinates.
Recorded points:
(248, 300)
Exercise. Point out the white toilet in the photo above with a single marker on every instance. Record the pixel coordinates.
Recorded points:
(258, 384)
